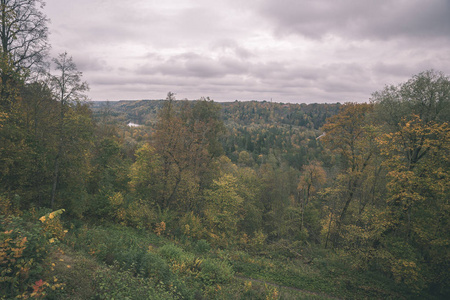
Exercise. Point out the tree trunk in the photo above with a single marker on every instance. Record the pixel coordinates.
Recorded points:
(56, 175)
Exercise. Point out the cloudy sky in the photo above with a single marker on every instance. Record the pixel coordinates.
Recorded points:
(284, 50)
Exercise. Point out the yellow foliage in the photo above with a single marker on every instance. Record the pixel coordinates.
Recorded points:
(224, 209)
(328, 222)
(53, 226)
(258, 240)
(247, 286)
(118, 214)
(160, 228)
(6, 207)
(405, 271)
(116, 200)
(13, 266)
(3, 117)
(244, 239)
(271, 292)
(139, 214)
(192, 226)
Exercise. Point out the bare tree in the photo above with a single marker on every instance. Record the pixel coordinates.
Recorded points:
(23, 32)
(68, 89)
(23, 38)
(67, 85)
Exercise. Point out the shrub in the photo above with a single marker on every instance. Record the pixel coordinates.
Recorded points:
(109, 244)
(153, 266)
(139, 214)
(202, 247)
(192, 226)
(111, 283)
(171, 252)
(215, 271)
(52, 226)
(23, 247)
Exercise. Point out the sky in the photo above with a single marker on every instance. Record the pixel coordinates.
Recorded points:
(302, 51)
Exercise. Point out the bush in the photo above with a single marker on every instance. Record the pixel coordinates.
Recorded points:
(215, 271)
(127, 250)
(111, 283)
(23, 247)
(202, 247)
(140, 215)
(171, 252)
(110, 244)
(191, 226)
(155, 267)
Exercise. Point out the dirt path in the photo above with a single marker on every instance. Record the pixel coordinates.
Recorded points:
(285, 287)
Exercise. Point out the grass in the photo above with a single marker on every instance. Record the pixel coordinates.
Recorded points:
(328, 275)
(118, 262)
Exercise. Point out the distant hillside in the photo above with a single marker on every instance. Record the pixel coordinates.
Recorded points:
(256, 127)
(144, 112)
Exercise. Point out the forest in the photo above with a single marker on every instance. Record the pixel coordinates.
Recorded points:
(207, 200)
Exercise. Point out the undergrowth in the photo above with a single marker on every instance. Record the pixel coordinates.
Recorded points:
(191, 269)
(116, 262)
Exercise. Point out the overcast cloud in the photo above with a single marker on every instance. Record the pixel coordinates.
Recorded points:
(285, 50)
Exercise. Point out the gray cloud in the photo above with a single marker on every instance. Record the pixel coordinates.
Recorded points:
(229, 46)
(382, 19)
(291, 50)
(92, 64)
(195, 65)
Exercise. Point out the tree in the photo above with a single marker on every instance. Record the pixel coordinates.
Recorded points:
(278, 190)
(67, 85)
(186, 142)
(69, 90)
(409, 231)
(245, 159)
(23, 37)
(145, 173)
(15, 154)
(224, 209)
(39, 110)
(313, 176)
(418, 208)
(426, 94)
(23, 32)
(351, 136)
(206, 113)
(180, 149)
(416, 146)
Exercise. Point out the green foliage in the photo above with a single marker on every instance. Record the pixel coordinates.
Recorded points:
(105, 243)
(426, 95)
(202, 247)
(418, 194)
(191, 226)
(155, 267)
(140, 214)
(109, 166)
(129, 251)
(171, 252)
(215, 272)
(145, 172)
(223, 209)
(114, 283)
